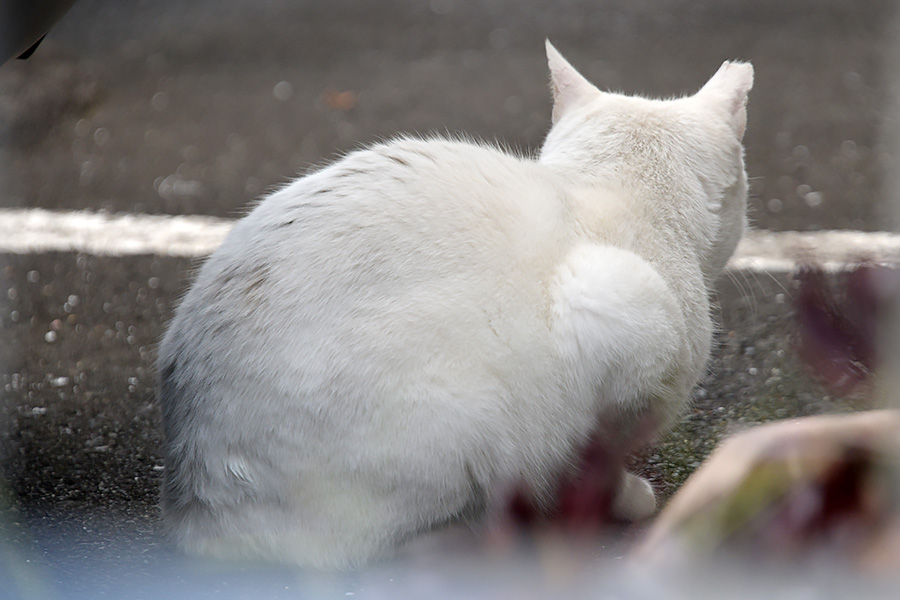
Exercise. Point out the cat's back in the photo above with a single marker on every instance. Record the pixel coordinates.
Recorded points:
(410, 212)
(362, 255)
(403, 277)
(435, 191)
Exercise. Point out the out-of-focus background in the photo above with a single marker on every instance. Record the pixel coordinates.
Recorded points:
(199, 108)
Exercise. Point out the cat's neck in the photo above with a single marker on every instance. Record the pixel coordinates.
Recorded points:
(623, 215)
(662, 221)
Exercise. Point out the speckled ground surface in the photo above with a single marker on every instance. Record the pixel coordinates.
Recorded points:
(77, 389)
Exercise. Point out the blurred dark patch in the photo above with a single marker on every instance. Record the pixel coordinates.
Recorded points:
(837, 512)
(24, 23)
(583, 499)
(840, 324)
(581, 503)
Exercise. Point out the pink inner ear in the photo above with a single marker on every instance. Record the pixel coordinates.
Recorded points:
(740, 123)
(730, 85)
(569, 87)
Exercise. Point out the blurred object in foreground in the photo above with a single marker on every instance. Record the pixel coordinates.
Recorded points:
(792, 492)
(566, 526)
(585, 500)
(24, 23)
(840, 325)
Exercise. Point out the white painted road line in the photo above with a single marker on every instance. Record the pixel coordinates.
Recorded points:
(29, 231)
(24, 231)
(831, 250)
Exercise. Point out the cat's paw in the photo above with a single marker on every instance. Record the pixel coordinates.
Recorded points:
(635, 500)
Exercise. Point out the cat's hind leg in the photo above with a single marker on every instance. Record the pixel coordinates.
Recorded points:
(622, 330)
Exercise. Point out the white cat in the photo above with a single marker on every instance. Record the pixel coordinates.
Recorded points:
(394, 342)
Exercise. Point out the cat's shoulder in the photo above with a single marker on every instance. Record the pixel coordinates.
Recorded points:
(408, 150)
(436, 176)
(405, 161)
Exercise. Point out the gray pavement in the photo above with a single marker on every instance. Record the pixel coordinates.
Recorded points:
(177, 108)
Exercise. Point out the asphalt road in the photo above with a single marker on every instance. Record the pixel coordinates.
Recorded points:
(176, 108)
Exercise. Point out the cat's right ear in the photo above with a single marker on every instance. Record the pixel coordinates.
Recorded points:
(727, 91)
(569, 88)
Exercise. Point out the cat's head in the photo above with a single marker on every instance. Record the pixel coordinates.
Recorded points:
(682, 156)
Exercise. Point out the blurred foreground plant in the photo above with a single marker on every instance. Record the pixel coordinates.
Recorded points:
(825, 487)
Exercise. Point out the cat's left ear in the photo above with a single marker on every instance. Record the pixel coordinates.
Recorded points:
(727, 91)
(570, 88)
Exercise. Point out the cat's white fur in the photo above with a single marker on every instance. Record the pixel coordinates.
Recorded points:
(394, 342)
